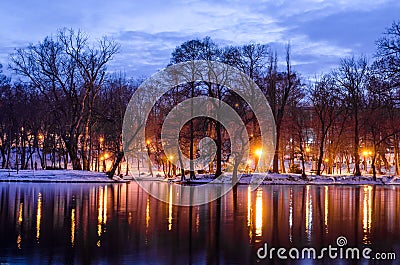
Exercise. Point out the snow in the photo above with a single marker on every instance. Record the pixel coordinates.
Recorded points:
(52, 176)
(226, 178)
(284, 179)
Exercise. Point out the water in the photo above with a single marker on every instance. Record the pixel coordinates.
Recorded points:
(121, 224)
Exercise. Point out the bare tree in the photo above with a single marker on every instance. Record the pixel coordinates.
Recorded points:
(327, 106)
(351, 76)
(69, 73)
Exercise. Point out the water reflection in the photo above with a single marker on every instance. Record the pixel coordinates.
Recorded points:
(72, 227)
(326, 209)
(170, 208)
(367, 213)
(120, 223)
(38, 215)
(309, 212)
(259, 212)
(291, 215)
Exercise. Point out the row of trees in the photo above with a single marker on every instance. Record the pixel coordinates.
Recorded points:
(75, 109)
(65, 104)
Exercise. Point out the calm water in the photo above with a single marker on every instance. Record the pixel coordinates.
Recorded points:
(119, 223)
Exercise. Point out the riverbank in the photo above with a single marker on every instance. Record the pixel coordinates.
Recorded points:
(79, 176)
(284, 179)
(74, 176)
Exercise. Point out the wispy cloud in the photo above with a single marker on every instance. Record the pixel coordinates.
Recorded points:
(320, 31)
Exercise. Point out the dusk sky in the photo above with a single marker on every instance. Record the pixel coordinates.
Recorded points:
(319, 31)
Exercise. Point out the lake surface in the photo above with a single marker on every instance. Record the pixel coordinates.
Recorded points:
(121, 224)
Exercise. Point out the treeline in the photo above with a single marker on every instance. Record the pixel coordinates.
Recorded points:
(68, 106)
(65, 106)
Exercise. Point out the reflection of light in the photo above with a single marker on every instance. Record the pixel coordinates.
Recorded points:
(197, 221)
(248, 206)
(102, 211)
(105, 206)
(73, 227)
(259, 212)
(326, 201)
(21, 205)
(38, 215)
(367, 212)
(309, 217)
(147, 213)
(170, 209)
(19, 223)
(19, 240)
(291, 215)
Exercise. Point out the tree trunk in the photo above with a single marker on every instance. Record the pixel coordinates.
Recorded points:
(396, 156)
(373, 167)
(218, 171)
(275, 166)
(73, 154)
(321, 153)
(116, 164)
(356, 145)
(282, 160)
(191, 151)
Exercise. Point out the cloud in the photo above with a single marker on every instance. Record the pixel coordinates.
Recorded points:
(320, 31)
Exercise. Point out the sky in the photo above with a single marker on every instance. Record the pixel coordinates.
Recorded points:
(320, 32)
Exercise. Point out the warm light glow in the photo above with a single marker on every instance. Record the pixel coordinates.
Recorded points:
(308, 149)
(106, 156)
(367, 213)
(20, 218)
(40, 136)
(72, 227)
(248, 206)
(259, 212)
(38, 215)
(101, 139)
(259, 152)
(365, 153)
(147, 213)
(147, 142)
(102, 210)
(171, 157)
(326, 160)
(19, 240)
(249, 161)
(101, 158)
(326, 202)
(170, 209)
(20, 215)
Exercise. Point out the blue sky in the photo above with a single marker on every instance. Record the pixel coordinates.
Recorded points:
(319, 31)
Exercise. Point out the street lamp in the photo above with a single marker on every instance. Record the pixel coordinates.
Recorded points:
(258, 153)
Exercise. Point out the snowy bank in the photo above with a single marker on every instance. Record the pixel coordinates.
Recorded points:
(284, 179)
(53, 176)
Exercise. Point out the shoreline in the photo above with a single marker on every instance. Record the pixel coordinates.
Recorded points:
(79, 176)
